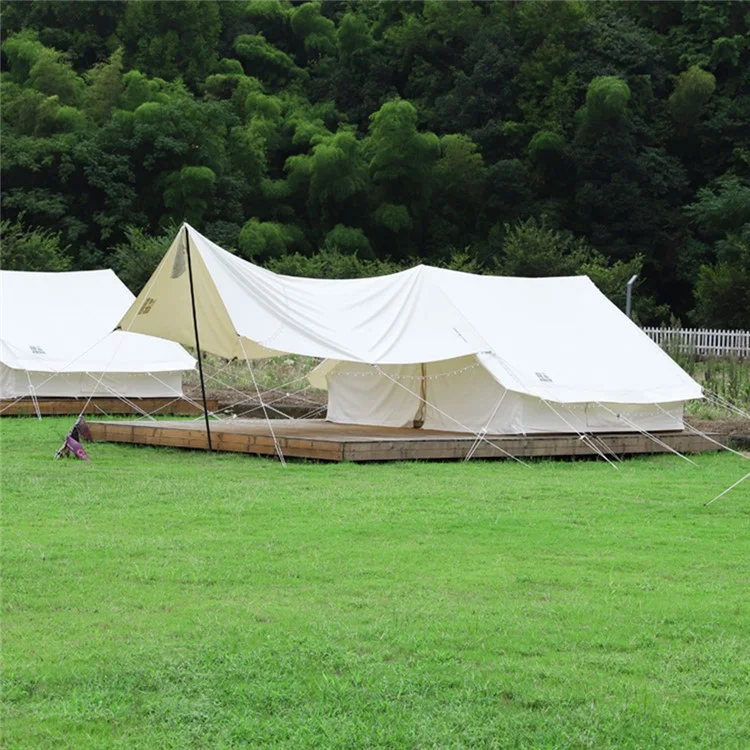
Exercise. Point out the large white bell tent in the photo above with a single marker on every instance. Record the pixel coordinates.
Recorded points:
(427, 347)
(57, 339)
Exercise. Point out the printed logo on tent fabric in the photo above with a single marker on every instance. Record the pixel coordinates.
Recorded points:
(145, 308)
(37, 350)
(543, 377)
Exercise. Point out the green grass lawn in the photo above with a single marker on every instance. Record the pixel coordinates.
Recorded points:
(156, 598)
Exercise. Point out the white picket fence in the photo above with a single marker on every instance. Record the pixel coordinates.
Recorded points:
(701, 342)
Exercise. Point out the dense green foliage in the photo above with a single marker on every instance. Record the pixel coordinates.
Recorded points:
(155, 598)
(612, 135)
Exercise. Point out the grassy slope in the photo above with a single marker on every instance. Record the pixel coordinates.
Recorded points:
(155, 598)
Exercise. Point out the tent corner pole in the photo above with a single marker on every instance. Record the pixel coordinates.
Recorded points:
(197, 340)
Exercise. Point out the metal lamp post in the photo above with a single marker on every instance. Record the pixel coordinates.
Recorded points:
(629, 298)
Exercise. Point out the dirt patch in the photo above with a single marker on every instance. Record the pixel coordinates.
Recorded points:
(245, 402)
(737, 430)
(731, 427)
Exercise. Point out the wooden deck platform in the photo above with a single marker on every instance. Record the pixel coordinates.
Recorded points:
(326, 441)
(101, 406)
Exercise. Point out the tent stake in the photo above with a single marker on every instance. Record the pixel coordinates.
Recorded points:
(197, 340)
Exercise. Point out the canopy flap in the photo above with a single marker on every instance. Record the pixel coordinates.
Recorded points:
(163, 307)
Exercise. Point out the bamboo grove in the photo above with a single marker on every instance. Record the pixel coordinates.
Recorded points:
(350, 138)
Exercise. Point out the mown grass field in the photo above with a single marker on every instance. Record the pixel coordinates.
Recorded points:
(164, 599)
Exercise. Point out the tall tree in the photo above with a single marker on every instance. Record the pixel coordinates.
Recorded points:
(401, 166)
(172, 39)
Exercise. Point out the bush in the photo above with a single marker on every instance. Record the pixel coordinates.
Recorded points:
(30, 249)
(259, 240)
(330, 264)
(531, 248)
(350, 241)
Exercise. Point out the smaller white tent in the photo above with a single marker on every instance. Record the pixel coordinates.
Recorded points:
(57, 339)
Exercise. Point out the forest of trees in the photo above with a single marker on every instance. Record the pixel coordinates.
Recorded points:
(343, 138)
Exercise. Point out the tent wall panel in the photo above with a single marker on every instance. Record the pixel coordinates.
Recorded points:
(359, 394)
(462, 396)
(9, 386)
(15, 383)
(461, 391)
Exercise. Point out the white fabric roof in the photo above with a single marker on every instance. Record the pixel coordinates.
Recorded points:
(64, 322)
(559, 339)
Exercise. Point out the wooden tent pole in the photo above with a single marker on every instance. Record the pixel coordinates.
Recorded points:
(197, 340)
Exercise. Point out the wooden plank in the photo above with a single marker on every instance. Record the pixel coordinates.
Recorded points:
(100, 406)
(332, 442)
(184, 436)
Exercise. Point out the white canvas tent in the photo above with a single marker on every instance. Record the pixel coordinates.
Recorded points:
(428, 346)
(57, 339)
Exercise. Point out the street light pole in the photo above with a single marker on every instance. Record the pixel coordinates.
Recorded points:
(629, 298)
